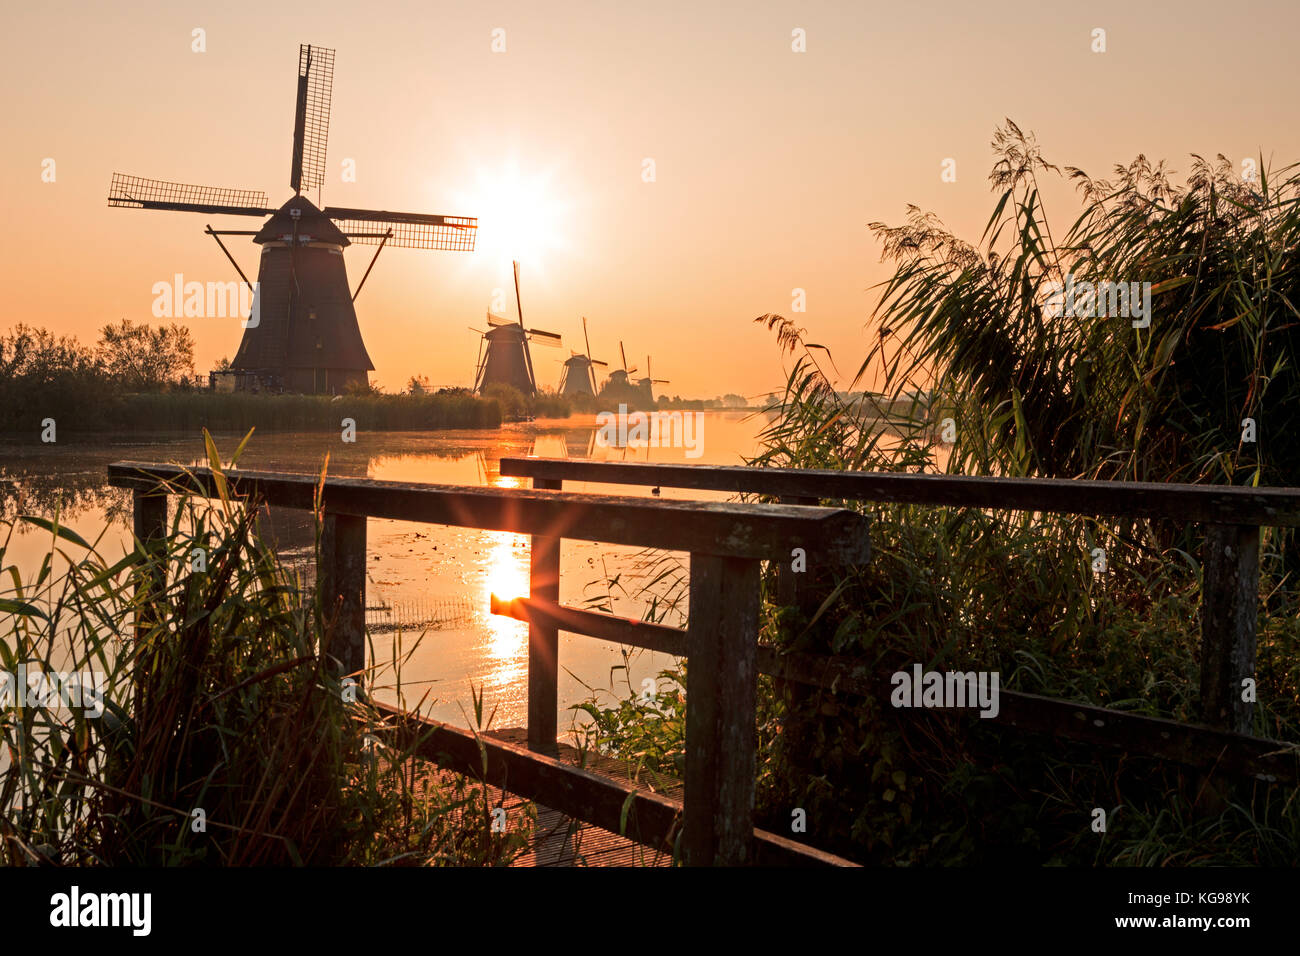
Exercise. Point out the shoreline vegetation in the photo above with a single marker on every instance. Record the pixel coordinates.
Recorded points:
(220, 732)
(1186, 393)
(140, 379)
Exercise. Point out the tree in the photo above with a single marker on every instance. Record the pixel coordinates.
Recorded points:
(140, 358)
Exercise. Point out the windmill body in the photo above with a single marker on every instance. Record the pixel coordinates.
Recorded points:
(620, 388)
(645, 386)
(506, 360)
(303, 335)
(505, 357)
(579, 375)
(309, 341)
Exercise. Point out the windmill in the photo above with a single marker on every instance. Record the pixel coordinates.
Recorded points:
(504, 356)
(579, 375)
(618, 379)
(303, 334)
(644, 385)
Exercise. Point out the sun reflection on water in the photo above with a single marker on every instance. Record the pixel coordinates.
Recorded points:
(507, 578)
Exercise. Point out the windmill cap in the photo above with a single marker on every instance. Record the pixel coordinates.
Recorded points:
(309, 221)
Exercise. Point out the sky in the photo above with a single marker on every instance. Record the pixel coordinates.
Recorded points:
(768, 163)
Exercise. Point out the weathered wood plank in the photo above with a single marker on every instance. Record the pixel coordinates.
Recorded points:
(607, 627)
(1189, 744)
(830, 535)
(1268, 507)
(149, 526)
(652, 820)
(342, 586)
(543, 640)
(722, 643)
(1229, 613)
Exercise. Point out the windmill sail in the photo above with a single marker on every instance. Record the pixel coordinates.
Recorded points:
(549, 339)
(135, 192)
(311, 121)
(410, 230)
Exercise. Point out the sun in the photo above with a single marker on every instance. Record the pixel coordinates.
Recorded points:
(522, 213)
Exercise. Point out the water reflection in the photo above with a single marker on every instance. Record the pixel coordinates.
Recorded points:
(506, 578)
(446, 574)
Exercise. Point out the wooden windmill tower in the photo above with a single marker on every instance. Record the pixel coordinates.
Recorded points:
(503, 355)
(645, 386)
(579, 375)
(303, 335)
(618, 379)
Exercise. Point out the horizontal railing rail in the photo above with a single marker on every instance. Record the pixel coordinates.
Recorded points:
(727, 543)
(1231, 516)
(724, 529)
(1219, 504)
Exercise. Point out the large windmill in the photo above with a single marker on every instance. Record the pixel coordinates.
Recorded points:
(579, 375)
(303, 335)
(507, 360)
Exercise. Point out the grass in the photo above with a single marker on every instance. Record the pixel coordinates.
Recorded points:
(961, 333)
(190, 411)
(226, 738)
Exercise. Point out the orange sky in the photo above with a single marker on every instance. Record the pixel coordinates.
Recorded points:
(769, 163)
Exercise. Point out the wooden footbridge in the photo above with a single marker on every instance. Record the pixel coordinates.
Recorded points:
(709, 820)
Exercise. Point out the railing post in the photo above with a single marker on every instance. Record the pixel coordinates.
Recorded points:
(149, 525)
(722, 647)
(787, 588)
(543, 639)
(1229, 611)
(341, 579)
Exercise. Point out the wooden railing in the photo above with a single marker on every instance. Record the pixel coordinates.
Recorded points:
(726, 541)
(1231, 518)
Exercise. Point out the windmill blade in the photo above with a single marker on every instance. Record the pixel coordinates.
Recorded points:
(549, 339)
(584, 337)
(528, 355)
(411, 230)
(622, 353)
(519, 304)
(311, 120)
(598, 362)
(496, 321)
(479, 331)
(134, 192)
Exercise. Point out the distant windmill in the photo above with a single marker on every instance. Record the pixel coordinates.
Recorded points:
(506, 360)
(645, 385)
(579, 375)
(619, 388)
(618, 379)
(305, 337)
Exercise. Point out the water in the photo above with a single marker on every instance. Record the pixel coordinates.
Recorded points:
(417, 573)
